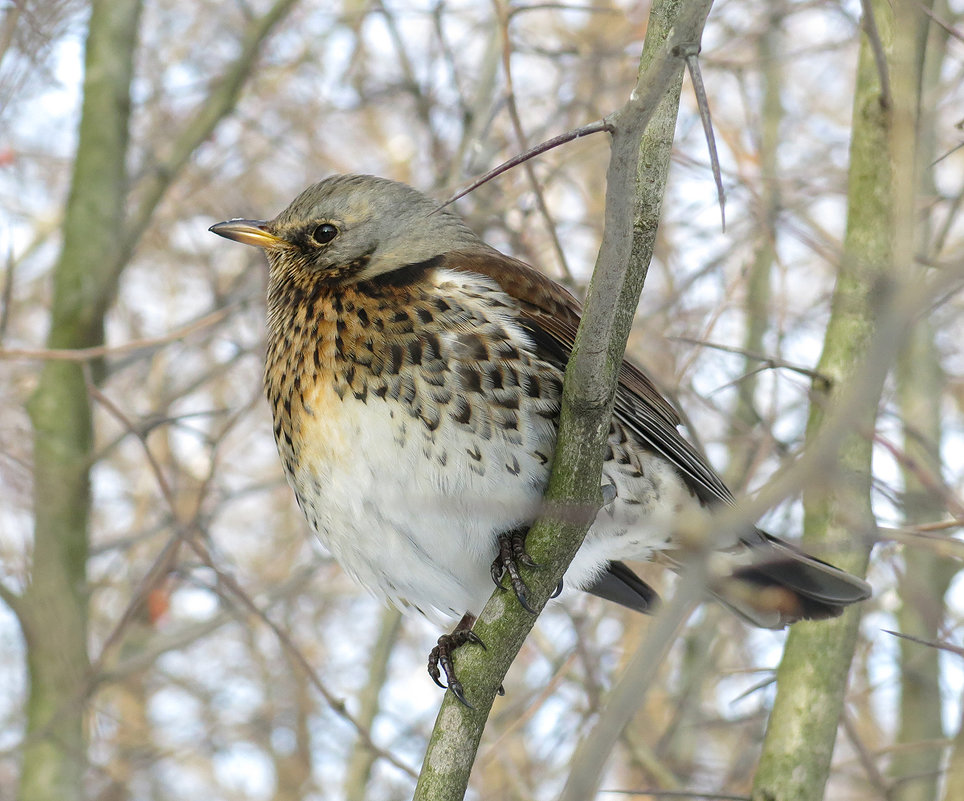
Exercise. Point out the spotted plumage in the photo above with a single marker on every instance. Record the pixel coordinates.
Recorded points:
(414, 375)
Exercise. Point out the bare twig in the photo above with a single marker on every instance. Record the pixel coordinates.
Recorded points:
(504, 18)
(874, 777)
(769, 362)
(691, 54)
(576, 133)
(941, 646)
(100, 351)
(880, 58)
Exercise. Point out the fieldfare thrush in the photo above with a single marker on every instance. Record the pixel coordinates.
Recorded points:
(414, 374)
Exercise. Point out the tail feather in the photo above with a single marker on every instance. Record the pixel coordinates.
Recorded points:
(621, 585)
(782, 584)
(770, 583)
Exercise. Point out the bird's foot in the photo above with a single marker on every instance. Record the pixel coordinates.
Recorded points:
(440, 659)
(512, 553)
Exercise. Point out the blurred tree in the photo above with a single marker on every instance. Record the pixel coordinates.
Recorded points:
(53, 608)
(205, 648)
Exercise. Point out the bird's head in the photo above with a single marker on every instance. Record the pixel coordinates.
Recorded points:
(351, 228)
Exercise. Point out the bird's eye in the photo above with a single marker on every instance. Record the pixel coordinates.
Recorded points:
(324, 233)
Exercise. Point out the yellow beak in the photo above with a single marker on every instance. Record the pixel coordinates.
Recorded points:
(248, 232)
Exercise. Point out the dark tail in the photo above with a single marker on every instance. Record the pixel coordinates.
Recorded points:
(772, 584)
(777, 584)
(622, 586)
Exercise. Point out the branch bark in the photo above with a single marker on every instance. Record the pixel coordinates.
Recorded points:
(921, 383)
(798, 746)
(634, 191)
(53, 612)
(97, 243)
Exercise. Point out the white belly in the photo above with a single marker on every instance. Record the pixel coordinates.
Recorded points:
(410, 513)
(414, 516)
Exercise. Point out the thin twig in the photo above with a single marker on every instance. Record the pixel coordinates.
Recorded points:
(100, 351)
(950, 29)
(874, 776)
(520, 135)
(770, 362)
(928, 480)
(880, 58)
(521, 158)
(691, 55)
(941, 646)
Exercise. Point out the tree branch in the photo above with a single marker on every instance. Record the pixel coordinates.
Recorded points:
(635, 183)
(864, 336)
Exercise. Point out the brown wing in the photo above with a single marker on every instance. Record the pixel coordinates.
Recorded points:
(815, 589)
(551, 314)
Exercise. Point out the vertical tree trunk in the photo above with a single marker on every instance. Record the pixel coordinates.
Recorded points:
(53, 612)
(361, 760)
(916, 770)
(746, 418)
(926, 576)
(802, 729)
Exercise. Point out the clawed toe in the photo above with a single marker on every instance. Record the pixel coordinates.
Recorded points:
(440, 660)
(512, 553)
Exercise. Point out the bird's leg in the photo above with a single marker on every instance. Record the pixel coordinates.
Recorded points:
(440, 659)
(512, 553)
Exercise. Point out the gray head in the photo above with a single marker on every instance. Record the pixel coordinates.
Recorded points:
(353, 228)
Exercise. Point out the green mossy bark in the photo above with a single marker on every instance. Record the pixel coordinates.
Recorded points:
(921, 384)
(53, 611)
(635, 186)
(812, 677)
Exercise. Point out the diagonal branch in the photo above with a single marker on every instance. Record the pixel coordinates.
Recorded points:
(632, 213)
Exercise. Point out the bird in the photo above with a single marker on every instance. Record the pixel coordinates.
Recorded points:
(414, 375)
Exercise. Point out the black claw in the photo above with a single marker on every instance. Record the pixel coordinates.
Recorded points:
(557, 591)
(501, 690)
(433, 671)
(524, 600)
(518, 541)
(497, 571)
(456, 688)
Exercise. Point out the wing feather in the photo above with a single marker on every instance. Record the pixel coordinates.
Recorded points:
(551, 316)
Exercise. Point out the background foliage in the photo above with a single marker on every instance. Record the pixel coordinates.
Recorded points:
(234, 108)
